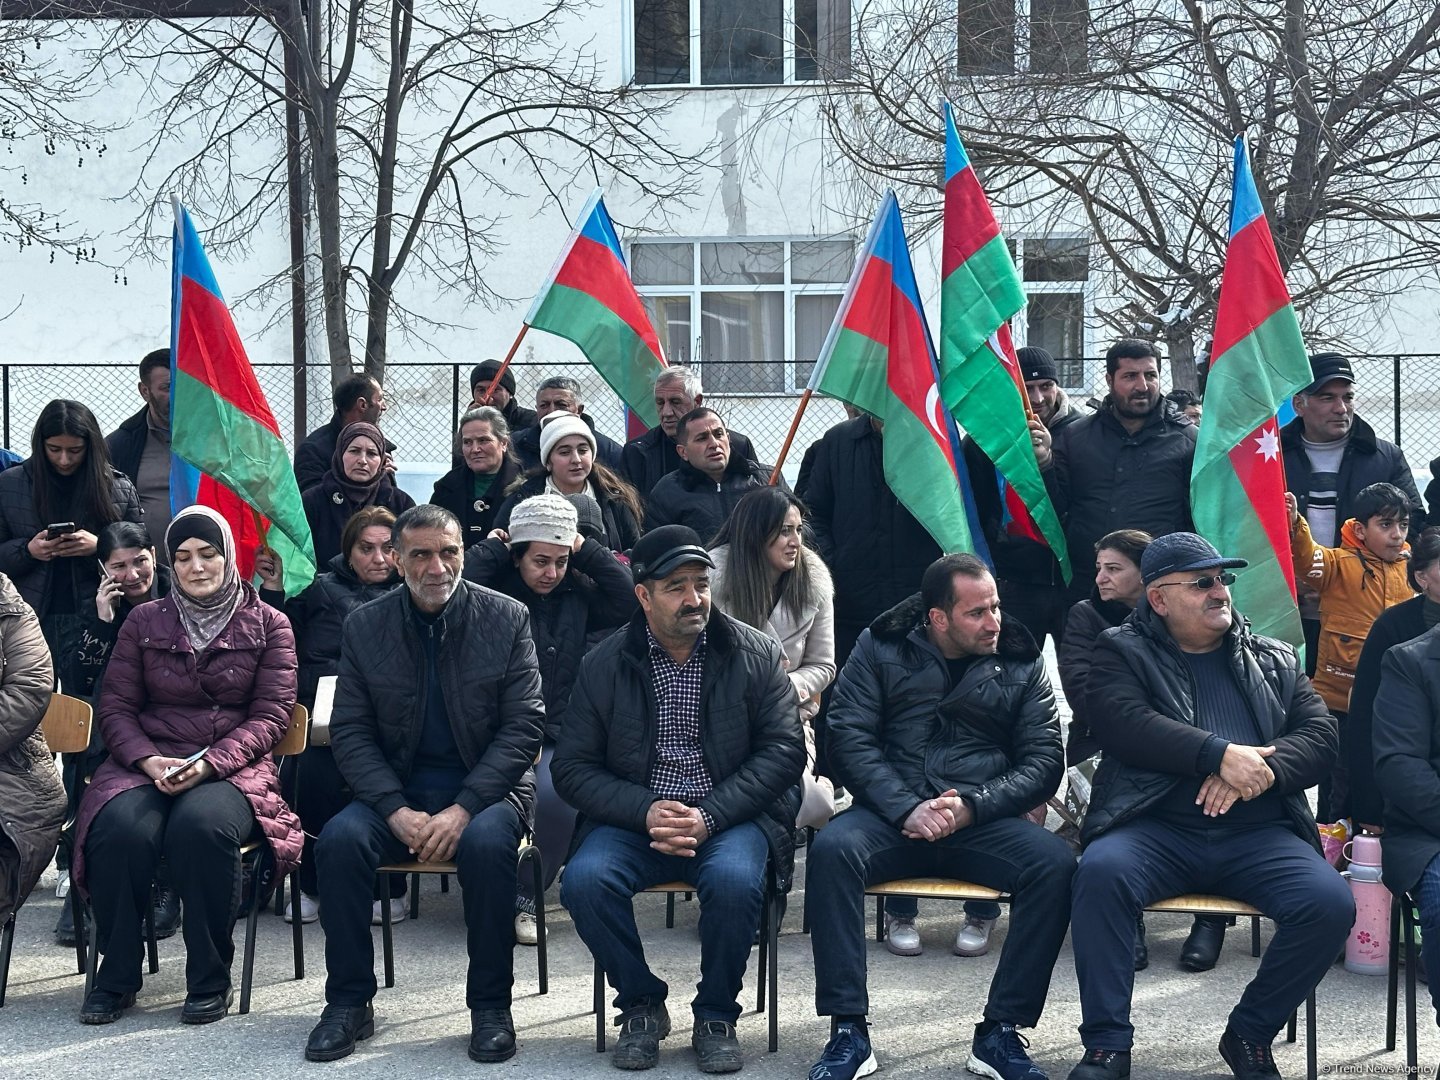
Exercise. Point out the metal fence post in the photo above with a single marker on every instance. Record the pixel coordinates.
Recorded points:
(1395, 387)
(5, 390)
(454, 389)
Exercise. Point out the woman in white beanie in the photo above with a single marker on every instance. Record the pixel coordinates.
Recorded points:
(576, 590)
(568, 467)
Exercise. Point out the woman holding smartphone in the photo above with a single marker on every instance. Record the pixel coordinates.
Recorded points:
(198, 692)
(130, 575)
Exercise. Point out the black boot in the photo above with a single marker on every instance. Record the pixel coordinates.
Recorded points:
(1202, 947)
(165, 903)
(1142, 951)
(492, 1035)
(339, 1029)
(65, 926)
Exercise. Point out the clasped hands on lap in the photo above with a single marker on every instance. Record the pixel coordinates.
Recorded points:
(937, 818)
(429, 837)
(1243, 775)
(675, 829)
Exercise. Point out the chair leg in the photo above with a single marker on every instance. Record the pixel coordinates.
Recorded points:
(7, 941)
(152, 945)
(386, 938)
(531, 854)
(444, 883)
(1290, 1028)
(762, 966)
(879, 918)
(1311, 1056)
(92, 960)
(414, 896)
(599, 1009)
(670, 911)
(1254, 935)
(77, 920)
(280, 897)
(775, 979)
(297, 930)
(1412, 960)
(252, 924)
(1392, 975)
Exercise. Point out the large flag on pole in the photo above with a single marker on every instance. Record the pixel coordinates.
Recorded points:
(228, 453)
(980, 378)
(589, 299)
(1237, 486)
(878, 356)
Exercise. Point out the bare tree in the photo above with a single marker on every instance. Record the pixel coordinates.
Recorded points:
(422, 122)
(1115, 118)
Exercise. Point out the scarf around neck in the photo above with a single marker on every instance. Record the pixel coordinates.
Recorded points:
(204, 618)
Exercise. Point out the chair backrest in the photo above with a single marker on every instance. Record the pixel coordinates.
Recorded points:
(66, 724)
(296, 735)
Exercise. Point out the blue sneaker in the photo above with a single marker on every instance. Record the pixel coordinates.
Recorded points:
(847, 1055)
(1001, 1055)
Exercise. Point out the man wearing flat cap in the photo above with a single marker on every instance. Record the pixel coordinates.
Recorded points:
(1211, 734)
(682, 752)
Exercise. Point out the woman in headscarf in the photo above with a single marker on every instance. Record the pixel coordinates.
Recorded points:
(198, 692)
(357, 478)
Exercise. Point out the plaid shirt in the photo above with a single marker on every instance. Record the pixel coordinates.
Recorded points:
(679, 772)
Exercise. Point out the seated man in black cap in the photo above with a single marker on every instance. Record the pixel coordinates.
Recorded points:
(682, 752)
(1211, 735)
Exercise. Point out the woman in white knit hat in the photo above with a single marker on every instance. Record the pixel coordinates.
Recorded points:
(576, 591)
(568, 467)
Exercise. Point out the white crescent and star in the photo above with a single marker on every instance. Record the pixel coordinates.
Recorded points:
(1267, 444)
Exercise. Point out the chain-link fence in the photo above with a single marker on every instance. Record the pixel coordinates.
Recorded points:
(1398, 394)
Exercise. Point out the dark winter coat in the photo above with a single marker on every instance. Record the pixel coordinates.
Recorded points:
(235, 697)
(689, 497)
(312, 456)
(900, 733)
(126, 445)
(596, 594)
(18, 525)
(32, 802)
(317, 615)
(1083, 626)
(749, 727)
(455, 491)
(1407, 758)
(327, 516)
(492, 692)
(876, 550)
(87, 667)
(1141, 702)
(651, 456)
(525, 445)
(621, 528)
(1367, 460)
(1102, 478)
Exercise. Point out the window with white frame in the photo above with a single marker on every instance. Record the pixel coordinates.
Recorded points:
(730, 42)
(752, 312)
(1002, 37)
(1056, 271)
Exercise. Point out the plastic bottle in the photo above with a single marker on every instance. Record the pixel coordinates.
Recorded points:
(1367, 950)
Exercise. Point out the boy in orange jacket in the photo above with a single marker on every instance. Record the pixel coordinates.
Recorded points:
(1356, 582)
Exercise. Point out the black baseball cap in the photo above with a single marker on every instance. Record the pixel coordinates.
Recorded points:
(662, 550)
(1176, 552)
(1327, 366)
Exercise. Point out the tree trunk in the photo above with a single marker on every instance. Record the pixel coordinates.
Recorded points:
(1180, 343)
(326, 160)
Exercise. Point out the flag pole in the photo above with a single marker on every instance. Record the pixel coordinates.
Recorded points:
(505, 364)
(790, 435)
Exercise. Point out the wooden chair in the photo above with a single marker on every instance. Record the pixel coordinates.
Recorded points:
(928, 889)
(1403, 918)
(255, 857)
(66, 728)
(768, 967)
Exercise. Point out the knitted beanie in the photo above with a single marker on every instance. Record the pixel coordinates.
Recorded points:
(558, 426)
(547, 518)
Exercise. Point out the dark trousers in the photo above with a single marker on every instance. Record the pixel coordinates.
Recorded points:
(554, 826)
(1041, 609)
(357, 840)
(1427, 899)
(1147, 860)
(199, 834)
(1333, 797)
(907, 907)
(728, 872)
(859, 848)
(318, 796)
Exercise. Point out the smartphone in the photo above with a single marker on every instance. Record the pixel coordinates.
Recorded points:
(174, 769)
(59, 529)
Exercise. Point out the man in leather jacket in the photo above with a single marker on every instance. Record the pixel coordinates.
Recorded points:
(945, 730)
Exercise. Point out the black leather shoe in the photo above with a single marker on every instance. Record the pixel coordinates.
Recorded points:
(339, 1029)
(1142, 951)
(1248, 1060)
(716, 1047)
(1202, 947)
(165, 902)
(65, 925)
(1102, 1065)
(206, 1008)
(104, 1006)
(492, 1035)
(641, 1029)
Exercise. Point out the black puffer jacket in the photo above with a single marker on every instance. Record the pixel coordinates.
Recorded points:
(1102, 478)
(455, 491)
(1407, 758)
(1083, 626)
(876, 550)
(492, 694)
(1367, 460)
(86, 669)
(19, 523)
(327, 511)
(749, 725)
(126, 446)
(900, 733)
(318, 615)
(621, 528)
(646, 459)
(596, 594)
(1141, 702)
(688, 496)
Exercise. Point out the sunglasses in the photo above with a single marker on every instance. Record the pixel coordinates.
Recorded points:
(1205, 582)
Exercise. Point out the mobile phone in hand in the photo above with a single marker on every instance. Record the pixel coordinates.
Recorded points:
(176, 769)
(59, 529)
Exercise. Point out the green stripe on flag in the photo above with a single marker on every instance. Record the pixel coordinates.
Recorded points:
(935, 501)
(1249, 382)
(978, 297)
(857, 373)
(620, 355)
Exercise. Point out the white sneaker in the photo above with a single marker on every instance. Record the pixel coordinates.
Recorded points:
(527, 931)
(974, 937)
(399, 908)
(901, 937)
(62, 885)
(309, 909)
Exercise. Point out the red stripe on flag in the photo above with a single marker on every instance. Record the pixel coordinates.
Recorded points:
(1260, 468)
(1252, 287)
(208, 349)
(592, 269)
(869, 312)
(969, 222)
(237, 512)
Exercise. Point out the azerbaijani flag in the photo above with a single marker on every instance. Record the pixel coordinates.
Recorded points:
(226, 448)
(980, 378)
(878, 357)
(1237, 485)
(589, 299)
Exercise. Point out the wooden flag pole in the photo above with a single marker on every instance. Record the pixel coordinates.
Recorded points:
(505, 364)
(790, 435)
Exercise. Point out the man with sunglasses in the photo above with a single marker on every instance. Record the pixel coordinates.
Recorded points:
(1211, 734)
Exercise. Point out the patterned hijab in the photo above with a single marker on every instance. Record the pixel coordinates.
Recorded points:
(203, 619)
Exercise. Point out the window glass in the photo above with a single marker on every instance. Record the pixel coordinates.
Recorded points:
(662, 41)
(821, 262)
(744, 342)
(672, 320)
(1057, 259)
(1056, 323)
(822, 39)
(1059, 32)
(741, 41)
(986, 39)
(662, 264)
(742, 263)
(813, 316)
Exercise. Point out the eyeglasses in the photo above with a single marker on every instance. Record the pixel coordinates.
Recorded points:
(1205, 582)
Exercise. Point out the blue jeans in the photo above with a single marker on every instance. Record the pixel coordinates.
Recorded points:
(1147, 860)
(1427, 899)
(728, 872)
